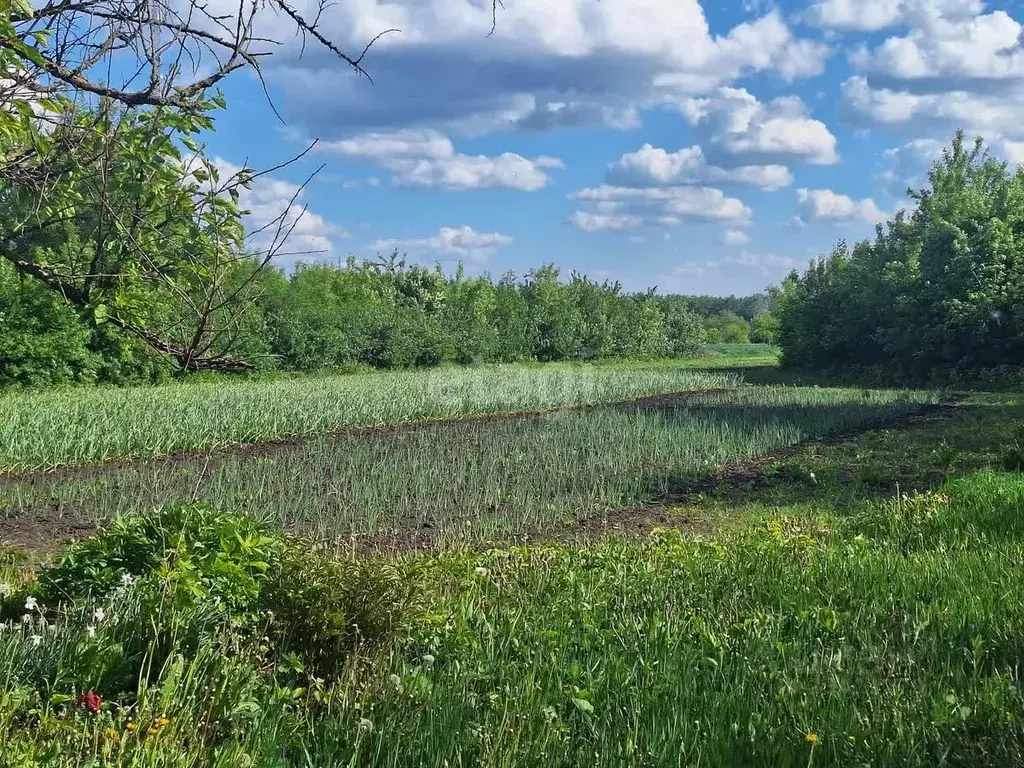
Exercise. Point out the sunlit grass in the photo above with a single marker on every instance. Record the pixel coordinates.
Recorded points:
(42, 430)
(472, 479)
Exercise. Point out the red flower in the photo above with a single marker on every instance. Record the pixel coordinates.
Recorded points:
(90, 701)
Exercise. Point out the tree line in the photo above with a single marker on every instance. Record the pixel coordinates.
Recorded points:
(382, 313)
(939, 291)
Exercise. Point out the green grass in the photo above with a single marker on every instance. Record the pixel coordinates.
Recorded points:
(470, 479)
(886, 637)
(45, 430)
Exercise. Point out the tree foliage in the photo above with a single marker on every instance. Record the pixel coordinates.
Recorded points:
(939, 291)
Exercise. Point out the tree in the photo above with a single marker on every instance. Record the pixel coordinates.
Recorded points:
(105, 196)
(939, 291)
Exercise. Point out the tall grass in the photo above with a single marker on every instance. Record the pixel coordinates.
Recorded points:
(798, 642)
(472, 479)
(45, 430)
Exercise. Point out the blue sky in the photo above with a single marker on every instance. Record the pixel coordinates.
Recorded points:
(699, 147)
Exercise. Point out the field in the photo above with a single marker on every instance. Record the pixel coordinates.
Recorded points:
(646, 564)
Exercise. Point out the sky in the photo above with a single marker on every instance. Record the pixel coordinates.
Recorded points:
(696, 147)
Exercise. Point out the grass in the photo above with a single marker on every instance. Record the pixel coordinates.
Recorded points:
(848, 602)
(46, 430)
(470, 479)
(886, 637)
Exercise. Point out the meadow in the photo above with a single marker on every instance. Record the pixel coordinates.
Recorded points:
(822, 576)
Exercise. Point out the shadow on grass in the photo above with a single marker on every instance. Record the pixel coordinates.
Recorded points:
(904, 454)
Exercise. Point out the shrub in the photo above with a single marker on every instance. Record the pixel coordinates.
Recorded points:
(196, 574)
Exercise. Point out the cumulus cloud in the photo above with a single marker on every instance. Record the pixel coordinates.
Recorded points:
(735, 237)
(874, 15)
(653, 167)
(462, 242)
(951, 52)
(827, 205)
(276, 208)
(427, 159)
(549, 63)
(955, 67)
(737, 128)
(622, 208)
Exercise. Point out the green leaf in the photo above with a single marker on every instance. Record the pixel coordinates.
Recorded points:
(583, 705)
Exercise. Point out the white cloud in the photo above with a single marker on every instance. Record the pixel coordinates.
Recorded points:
(427, 159)
(462, 242)
(874, 15)
(600, 222)
(737, 127)
(908, 164)
(622, 208)
(399, 145)
(825, 204)
(653, 167)
(275, 209)
(955, 52)
(955, 67)
(735, 237)
(549, 63)
(371, 181)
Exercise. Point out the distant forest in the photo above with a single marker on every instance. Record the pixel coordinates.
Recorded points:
(383, 313)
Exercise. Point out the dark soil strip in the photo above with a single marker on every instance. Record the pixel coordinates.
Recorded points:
(268, 448)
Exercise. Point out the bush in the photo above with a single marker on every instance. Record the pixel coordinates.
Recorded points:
(196, 575)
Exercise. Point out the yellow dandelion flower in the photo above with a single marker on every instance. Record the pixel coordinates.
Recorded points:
(112, 734)
(812, 738)
(162, 721)
(132, 727)
(152, 730)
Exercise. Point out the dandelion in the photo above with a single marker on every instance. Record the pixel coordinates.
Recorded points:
(112, 734)
(152, 730)
(26, 618)
(5, 590)
(481, 571)
(396, 682)
(31, 604)
(428, 659)
(163, 721)
(36, 640)
(90, 631)
(127, 579)
(131, 727)
(811, 737)
(365, 725)
(99, 615)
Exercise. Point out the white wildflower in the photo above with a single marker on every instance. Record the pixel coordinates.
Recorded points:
(366, 725)
(99, 615)
(26, 618)
(90, 631)
(31, 604)
(6, 590)
(36, 640)
(127, 579)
